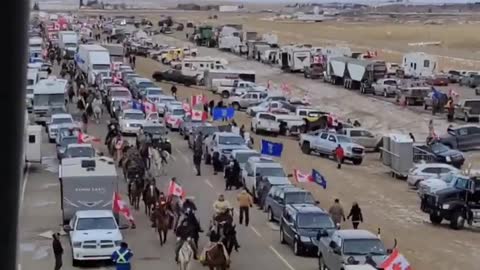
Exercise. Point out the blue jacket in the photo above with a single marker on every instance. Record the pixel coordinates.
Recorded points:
(122, 258)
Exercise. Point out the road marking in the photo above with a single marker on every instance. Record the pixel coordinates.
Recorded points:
(19, 266)
(281, 258)
(255, 231)
(208, 183)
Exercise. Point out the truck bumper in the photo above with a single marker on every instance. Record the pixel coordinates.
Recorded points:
(83, 254)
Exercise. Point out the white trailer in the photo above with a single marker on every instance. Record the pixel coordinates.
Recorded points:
(48, 98)
(419, 64)
(335, 71)
(210, 75)
(228, 42)
(93, 60)
(361, 73)
(297, 58)
(196, 66)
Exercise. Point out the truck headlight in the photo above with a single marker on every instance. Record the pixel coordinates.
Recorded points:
(448, 159)
(445, 206)
(77, 244)
(305, 239)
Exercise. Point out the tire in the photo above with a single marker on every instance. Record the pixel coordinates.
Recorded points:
(306, 148)
(435, 219)
(357, 161)
(282, 236)
(270, 214)
(296, 248)
(458, 220)
(225, 94)
(236, 106)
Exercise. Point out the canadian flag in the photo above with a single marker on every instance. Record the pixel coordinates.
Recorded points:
(85, 138)
(199, 115)
(396, 261)
(301, 177)
(186, 107)
(175, 190)
(149, 107)
(120, 207)
(198, 99)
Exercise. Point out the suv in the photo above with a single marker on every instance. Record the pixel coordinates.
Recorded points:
(457, 204)
(258, 167)
(300, 225)
(94, 235)
(280, 196)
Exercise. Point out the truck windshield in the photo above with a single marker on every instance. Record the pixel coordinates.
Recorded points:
(274, 172)
(106, 223)
(101, 67)
(231, 140)
(62, 120)
(298, 197)
(243, 157)
(80, 152)
(66, 141)
(357, 247)
(70, 44)
(155, 130)
(134, 116)
(178, 112)
(145, 84)
(439, 148)
(48, 99)
(154, 92)
(462, 183)
(315, 221)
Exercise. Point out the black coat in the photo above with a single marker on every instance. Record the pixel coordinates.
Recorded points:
(356, 214)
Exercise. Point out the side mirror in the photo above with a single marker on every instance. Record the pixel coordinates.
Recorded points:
(67, 228)
(337, 250)
(123, 227)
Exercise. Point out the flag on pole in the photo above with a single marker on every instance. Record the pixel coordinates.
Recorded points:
(314, 177)
(120, 207)
(396, 261)
(301, 177)
(85, 138)
(175, 190)
(149, 107)
(198, 100)
(199, 115)
(271, 149)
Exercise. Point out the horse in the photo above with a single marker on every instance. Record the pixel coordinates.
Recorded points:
(150, 197)
(161, 219)
(132, 162)
(185, 255)
(215, 258)
(229, 237)
(135, 188)
(159, 159)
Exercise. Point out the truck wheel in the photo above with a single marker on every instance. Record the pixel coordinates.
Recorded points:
(296, 248)
(357, 161)
(225, 94)
(306, 148)
(75, 263)
(458, 220)
(435, 219)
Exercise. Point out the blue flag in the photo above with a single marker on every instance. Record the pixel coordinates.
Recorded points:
(272, 149)
(138, 106)
(319, 179)
(223, 113)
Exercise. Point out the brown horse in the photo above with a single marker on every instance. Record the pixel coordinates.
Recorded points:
(215, 258)
(135, 188)
(161, 219)
(150, 197)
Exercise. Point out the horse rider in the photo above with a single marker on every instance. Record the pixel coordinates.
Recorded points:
(112, 131)
(194, 223)
(119, 146)
(122, 257)
(214, 240)
(189, 204)
(221, 206)
(183, 232)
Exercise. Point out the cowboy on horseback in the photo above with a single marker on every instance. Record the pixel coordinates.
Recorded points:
(184, 232)
(205, 259)
(222, 208)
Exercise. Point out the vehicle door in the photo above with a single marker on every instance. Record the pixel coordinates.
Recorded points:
(272, 123)
(330, 144)
(320, 142)
(249, 177)
(245, 100)
(270, 199)
(431, 172)
(279, 203)
(463, 138)
(334, 257)
(288, 226)
(254, 98)
(72, 225)
(473, 137)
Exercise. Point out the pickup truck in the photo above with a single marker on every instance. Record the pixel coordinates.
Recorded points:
(468, 109)
(246, 100)
(349, 247)
(364, 138)
(222, 143)
(464, 137)
(325, 144)
(236, 89)
(432, 185)
(283, 124)
(314, 71)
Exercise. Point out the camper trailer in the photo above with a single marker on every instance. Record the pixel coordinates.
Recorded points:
(419, 64)
(228, 42)
(32, 148)
(210, 75)
(86, 184)
(294, 59)
(197, 66)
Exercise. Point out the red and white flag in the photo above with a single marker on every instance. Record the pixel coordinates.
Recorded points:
(85, 138)
(120, 207)
(187, 108)
(198, 100)
(396, 261)
(199, 115)
(175, 190)
(149, 107)
(301, 177)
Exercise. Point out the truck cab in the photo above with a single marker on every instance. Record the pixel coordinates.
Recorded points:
(223, 143)
(458, 204)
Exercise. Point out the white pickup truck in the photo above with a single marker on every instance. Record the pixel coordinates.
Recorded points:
(283, 124)
(237, 88)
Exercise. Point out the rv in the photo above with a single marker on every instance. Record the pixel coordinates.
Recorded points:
(32, 147)
(197, 66)
(86, 184)
(293, 59)
(252, 45)
(68, 43)
(48, 98)
(32, 79)
(35, 46)
(116, 52)
(93, 60)
(210, 75)
(419, 64)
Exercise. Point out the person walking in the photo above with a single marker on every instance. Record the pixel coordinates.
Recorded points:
(245, 201)
(356, 215)
(134, 61)
(339, 155)
(84, 122)
(57, 251)
(337, 213)
(122, 257)
(174, 91)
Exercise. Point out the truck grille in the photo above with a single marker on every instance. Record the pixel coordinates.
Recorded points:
(357, 150)
(135, 125)
(93, 244)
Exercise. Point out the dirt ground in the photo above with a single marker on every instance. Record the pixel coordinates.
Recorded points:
(459, 48)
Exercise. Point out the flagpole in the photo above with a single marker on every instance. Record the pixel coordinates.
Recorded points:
(15, 16)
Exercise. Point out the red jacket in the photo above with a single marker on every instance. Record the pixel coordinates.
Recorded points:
(339, 152)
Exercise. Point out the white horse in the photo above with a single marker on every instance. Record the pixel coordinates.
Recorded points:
(156, 160)
(185, 255)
